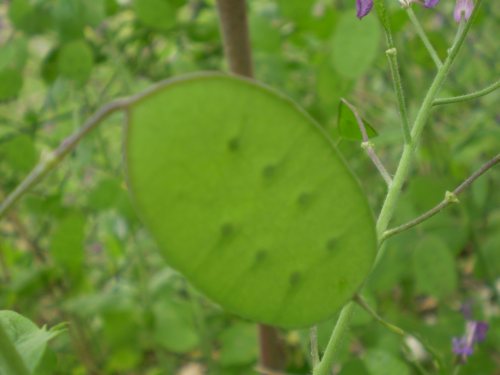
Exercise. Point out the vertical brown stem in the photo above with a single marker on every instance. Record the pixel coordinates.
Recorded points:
(272, 348)
(234, 28)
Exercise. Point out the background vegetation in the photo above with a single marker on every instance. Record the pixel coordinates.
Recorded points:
(73, 250)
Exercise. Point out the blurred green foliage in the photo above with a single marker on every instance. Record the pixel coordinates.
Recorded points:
(73, 250)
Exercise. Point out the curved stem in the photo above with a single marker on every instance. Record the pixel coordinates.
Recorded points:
(449, 199)
(423, 115)
(55, 157)
(472, 95)
(392, 55)
(423, 36)
(367, 145)
(394, 192)
(391, 327)
(324, 367)
(10, 360)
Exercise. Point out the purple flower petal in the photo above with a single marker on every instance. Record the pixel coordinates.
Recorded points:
(430, 3)
(462, 347)
(463, 10)
(480, 330)
(363, 7)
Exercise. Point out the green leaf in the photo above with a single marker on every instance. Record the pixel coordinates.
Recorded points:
(355, 45)
(105, 194)
(50, 66)
(379, 362)
(434, 267)
(348, 124)
(30, 16)
(157, 14)
(72, 16)
(11, 83)
(20, 153)
(489, 258)
(14, 54)
(29, 340)
(239, 345)
(75, 61)
(247, 196)
(298, 11)
(66, 244)
(174, 328)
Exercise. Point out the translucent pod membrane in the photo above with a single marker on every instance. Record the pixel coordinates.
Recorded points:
(249, 199)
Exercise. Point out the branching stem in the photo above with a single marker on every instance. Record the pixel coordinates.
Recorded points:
(472, 95)
(391, 327)
(55, 157)
(423, 36)
(402, 172)
(367, 145)
(449, 199)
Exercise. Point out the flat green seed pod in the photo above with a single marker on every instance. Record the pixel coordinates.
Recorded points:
(249, 199)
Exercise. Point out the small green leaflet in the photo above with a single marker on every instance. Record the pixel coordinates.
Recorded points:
(348, 124)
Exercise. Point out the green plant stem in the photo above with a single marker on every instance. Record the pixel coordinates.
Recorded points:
(421, 120)
(449, 199)
(423, 36)
(324, 367)
(392, 56)
(10, 360)
(391, 327)
(472, 95)
(394, 68)
(394, 191)
(54, 158)
(313, 338)
(367, 145)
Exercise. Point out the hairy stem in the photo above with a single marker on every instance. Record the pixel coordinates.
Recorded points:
(398, 88)
(325, 366)
(313, 338)
(472, 95)
(368, 146)
(55, 157)
(402, 172)
(392, 57)
(391, 327)
(449, 199)
(421, 120)
(423, 36)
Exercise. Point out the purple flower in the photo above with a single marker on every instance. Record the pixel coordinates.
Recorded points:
(430, 3)
(463, 10)
(475, 332)
(363, 7)
(461, 347)
(480, 330)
